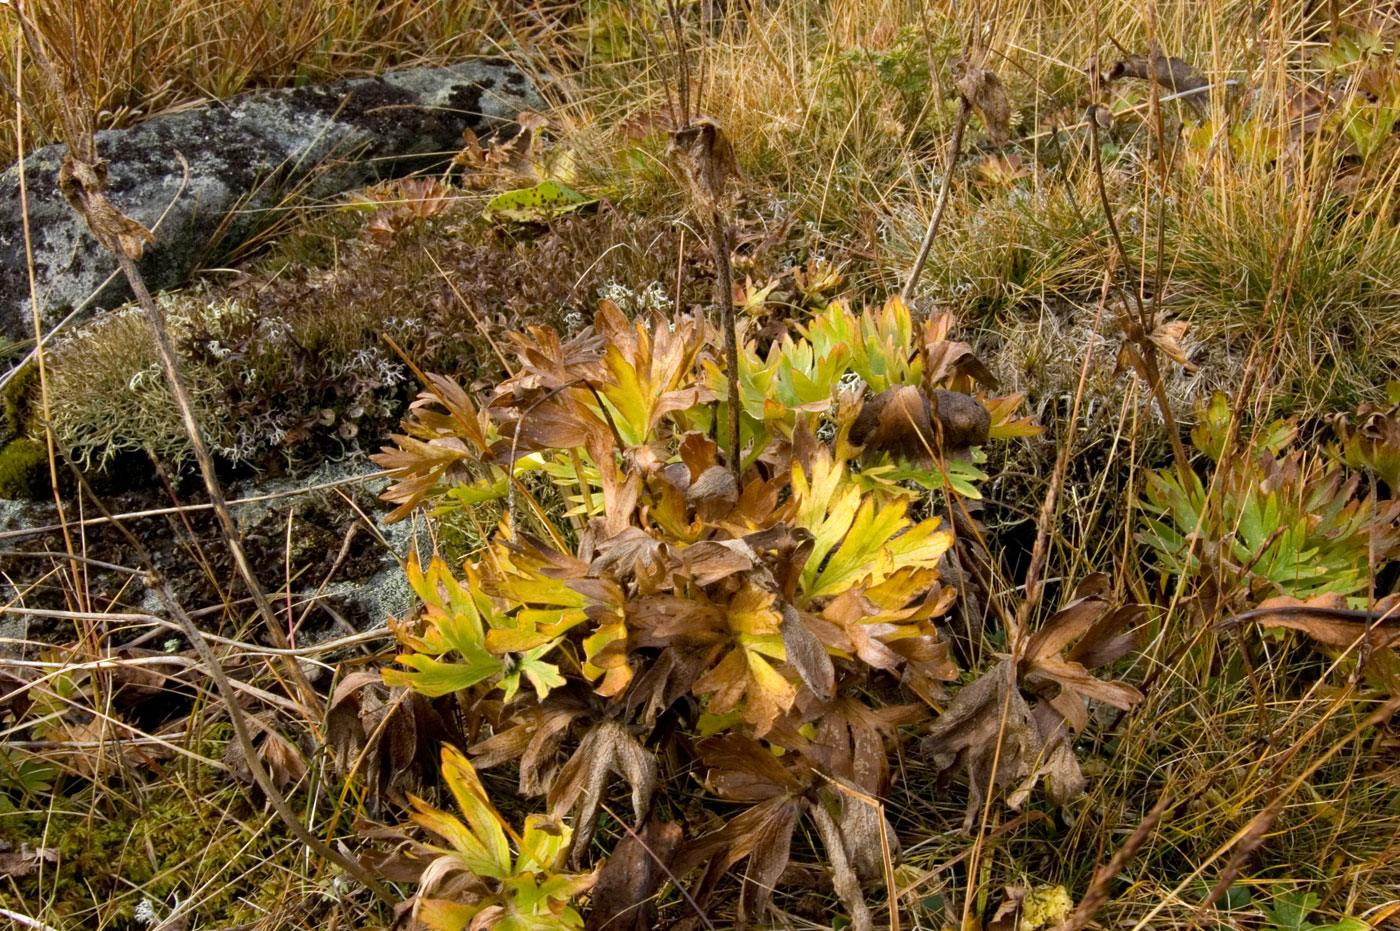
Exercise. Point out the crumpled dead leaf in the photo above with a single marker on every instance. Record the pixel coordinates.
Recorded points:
(1172, 73)
(25, 860)
(918, 425)
(608, 748)
(985, 93)
(966, 736)
(279, 756)
(1168, 336)
(704, 159)
(1328, 620)
(624, 897)
(1035, 739)
(390, 733)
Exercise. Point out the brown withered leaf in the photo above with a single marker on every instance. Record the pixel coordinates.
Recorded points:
(435, 444)
(84, 185)
(608, 748)
(1171, 73)
(1065, 683)
(807, 655)
(25, 860)
(1168, 336)
(946, 359)
(704, 158)
(850, 749)
(741, 769)
(631, 555)
(965, 736)
(534, 737)
(281, 759)
(1035, 740)
(984, 92)
(387, 735)
(623, 898)
(1327, 619)
(710, 561)
(1008, 913)
(405, 203)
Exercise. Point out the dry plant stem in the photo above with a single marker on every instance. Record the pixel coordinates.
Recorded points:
(24, 921)
(189, 508)
(161, 589)
(724, 296)
(82, 182)
(1097, 895)
(1136, 331)
(964, 110)
(1040, 548)
(78, 586)
(844, 878)
(211, 481)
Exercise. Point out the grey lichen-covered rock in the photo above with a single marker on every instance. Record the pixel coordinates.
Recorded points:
(245, 155)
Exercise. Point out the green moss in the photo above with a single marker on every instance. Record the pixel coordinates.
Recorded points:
(184, 838)
(24, 470)
(15, 400)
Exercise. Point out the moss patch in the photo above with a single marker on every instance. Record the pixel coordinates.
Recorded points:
(24, 470)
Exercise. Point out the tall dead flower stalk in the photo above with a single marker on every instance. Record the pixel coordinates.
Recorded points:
(980, 90)
(702, 156)
(83, 181)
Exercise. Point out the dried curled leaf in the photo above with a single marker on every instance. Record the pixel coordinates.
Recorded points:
(985, 93)
(913, 424)
(1034, 739)
(705, 160)
(1171, 73)
(624, 897)
(607, 749)
(385, 735)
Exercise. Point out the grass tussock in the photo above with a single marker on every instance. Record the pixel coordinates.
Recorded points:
(132, 61)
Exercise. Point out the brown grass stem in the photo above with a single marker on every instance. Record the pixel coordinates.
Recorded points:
(944, 191)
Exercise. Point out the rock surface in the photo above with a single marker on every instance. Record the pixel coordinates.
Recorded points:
(245, 155)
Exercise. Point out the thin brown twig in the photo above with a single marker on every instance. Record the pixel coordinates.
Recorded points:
(1097, 894)
(1137, 331)
(944, 191)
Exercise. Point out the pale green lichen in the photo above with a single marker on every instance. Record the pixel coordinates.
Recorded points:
(108, 395)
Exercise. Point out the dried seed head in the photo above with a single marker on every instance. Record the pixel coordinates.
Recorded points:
(984, 91)
(703, 157)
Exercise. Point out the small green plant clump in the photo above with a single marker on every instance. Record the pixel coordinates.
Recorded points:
(1274, 517)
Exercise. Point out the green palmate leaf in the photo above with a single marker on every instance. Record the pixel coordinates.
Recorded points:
(524, 893)
(824, 503)
(453, 624)
(878, 544)
(542, 676)
(433, 677)
(651, 371)
(885, 353)
(955, 474)
(1290, 523)
(536, 204)
(480, 844)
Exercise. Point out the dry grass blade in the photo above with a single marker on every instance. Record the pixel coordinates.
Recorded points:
(1098, 892)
